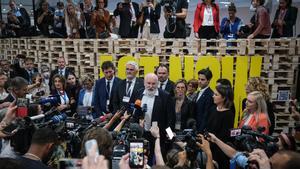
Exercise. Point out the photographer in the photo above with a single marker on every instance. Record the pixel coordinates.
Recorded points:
(175, 15)
(59, 26)
(149, 18)
(9, 116)
(45, 18)
(129, 12)
(38, 88)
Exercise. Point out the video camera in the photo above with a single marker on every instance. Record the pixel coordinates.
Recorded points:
(246, 140)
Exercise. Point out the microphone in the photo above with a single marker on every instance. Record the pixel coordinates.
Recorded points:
(144, 108)
(40, 116)
(135, 127)
(101, 120)
(57, 119)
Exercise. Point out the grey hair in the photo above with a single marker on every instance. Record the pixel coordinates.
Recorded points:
(133, 63)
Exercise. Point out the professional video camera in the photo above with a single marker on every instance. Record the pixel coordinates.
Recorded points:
(189, 136)
(246, 140)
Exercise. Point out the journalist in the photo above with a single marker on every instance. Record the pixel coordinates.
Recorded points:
(175, 15)
(45, 18)
(256, 113)
(258, 84)
(149, 19)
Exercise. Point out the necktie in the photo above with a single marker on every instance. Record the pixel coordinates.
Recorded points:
(161, 86)
(108, 88)
(60, 72)
(128, 88)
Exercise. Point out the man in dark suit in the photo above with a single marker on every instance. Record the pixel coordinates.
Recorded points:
(127, 89)
(26, 72)
(160, 108)
(204, 99)
(62, 70)
(162, 72)
(129, 13)
(104, 89)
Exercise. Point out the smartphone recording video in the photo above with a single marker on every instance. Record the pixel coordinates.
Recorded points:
(136, 154)
(22, 107)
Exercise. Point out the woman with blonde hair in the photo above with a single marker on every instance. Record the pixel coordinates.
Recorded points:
(74, 20)
(255, 113)
(258, 84)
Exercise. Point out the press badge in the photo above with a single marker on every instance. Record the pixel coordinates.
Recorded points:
(126, 99)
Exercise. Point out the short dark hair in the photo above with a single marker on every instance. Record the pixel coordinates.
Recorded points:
(206, 72)
(106, 65)
(293, 161)
(232, 7)
(227, 93)
(9, 163)
(224, 82)
(161, 65)
(43, 136)
(18, 83)
(212, 1)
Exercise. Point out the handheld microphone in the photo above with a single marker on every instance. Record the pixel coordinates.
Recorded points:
(40, 116)
(57, 119)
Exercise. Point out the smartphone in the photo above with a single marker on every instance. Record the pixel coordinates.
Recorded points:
(69, 163)
(170, 133)
(235, 132)
(92, 150)
(136, 154)
(154, 124)
(22, 107)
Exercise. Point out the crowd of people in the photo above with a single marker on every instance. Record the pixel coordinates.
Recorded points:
(85, 20)
(159, 104)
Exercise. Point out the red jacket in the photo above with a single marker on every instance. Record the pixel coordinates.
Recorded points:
(199, 15)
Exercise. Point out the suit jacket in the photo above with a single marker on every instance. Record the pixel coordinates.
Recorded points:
(117, 99)
(153, 16)
(100, 95)
(126, 28)
(187, 112)
(170, 86)
(18, 71)
(289, 19)
(54, 72)
(202, 108)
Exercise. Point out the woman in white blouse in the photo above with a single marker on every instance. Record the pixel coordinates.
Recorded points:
(86, 94)
(206, 21)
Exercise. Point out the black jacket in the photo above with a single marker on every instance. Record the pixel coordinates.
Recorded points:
(117, 99)
(153, 16)
(289, 19)
(126, 30)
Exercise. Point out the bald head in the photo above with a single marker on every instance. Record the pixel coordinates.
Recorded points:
(151, 82)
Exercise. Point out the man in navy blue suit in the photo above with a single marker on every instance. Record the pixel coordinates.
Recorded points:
(204, 99)
(104, 89)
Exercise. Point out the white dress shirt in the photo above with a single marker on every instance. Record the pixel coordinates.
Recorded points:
(149, 101)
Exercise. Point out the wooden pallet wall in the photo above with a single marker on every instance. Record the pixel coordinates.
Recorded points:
(281, 57)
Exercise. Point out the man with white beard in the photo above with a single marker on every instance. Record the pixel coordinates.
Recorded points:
(160, 110)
